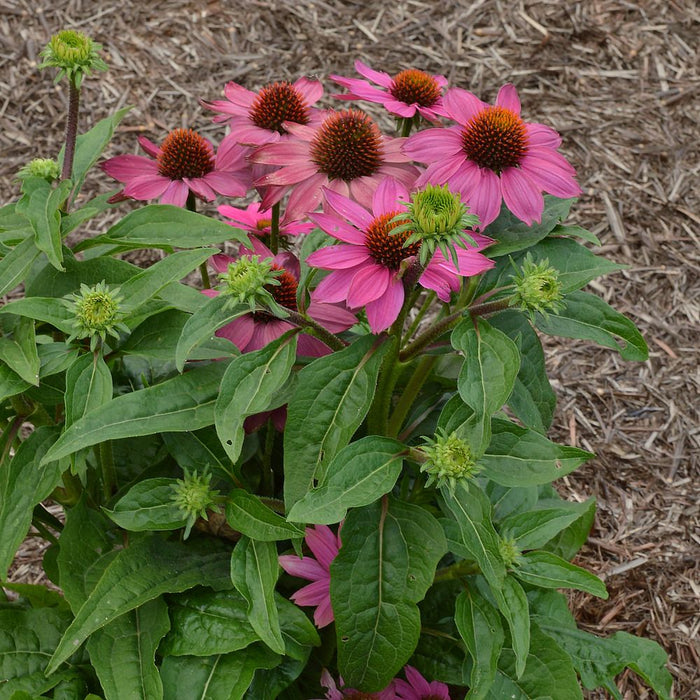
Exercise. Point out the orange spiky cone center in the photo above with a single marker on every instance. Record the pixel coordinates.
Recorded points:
(278, 103)
(386, 249)
(415, 87)
(495, 139)
(184, 153)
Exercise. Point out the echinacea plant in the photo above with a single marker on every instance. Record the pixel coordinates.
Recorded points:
(325, 470)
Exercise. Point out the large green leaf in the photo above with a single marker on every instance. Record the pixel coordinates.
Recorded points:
(149, 505)
(14, 266)
(547, 570)
(197, 450)
(385, 566)
(519, 456)
(254, 572)
(88, 386)
(165, 226)
(588, 317)
(46, 309)
(332, 397)
(185, 402)
(23, 484)
(247, 514)
(357, 476)
(249, 386)
(19, 352)
(143, 571)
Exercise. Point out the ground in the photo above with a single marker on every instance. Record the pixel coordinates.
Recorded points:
(618, 79)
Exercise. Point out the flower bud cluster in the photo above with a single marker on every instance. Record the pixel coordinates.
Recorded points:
(537, 288)
(449, 458)
(74, 54)
(194, 496)
(97, 314)
(247, 281)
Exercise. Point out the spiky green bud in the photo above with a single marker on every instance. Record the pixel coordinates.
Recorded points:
(448, 458)
(509, 551)
(438, 219)
(97, 314)
(74, 54)
(247, 281)
(45, 168)
(194, 496)
(537, 288)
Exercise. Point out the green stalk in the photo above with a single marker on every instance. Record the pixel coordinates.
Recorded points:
(456, 571)
(71, 130)
(191, 205)
(430, 297)
(415, 383)
(275, 229)
(109, 475)
(303, 321)
(268, 476)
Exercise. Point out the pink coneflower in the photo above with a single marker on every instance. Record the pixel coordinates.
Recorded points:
(258, 118)
(254, 331)
(185, 162)
(494, 156)
(366, 265)
(417, 688)
(347, 153)
(324, 545)
(257, 221)
(338, 691)
(408, 92)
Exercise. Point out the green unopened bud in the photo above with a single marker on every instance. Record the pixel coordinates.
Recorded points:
(194, 496)
(509, 551)
(97, 314)
(537, 288)
(74, 54)
(448, 459)
(247, 280)
(44, 168)
(438, 219)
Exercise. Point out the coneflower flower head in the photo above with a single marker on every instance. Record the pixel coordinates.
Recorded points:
(194, 497)
(97, 313)
(537, 288)
(448, 458)
(437, 218)
(45, 168)
(74, 54)
(248, 281)
(509, 551)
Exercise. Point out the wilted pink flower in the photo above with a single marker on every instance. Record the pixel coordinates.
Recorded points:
(185, 162)
(324, 545)
(257, 221)
(258, 118)
(417, 688)
(346, 153)
(254, 331)
(494, 156)
(340, 692)
(367, 264)
(408, 92)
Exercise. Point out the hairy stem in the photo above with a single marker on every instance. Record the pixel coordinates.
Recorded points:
(275, 229)
(71, 130)
(330, 339)
(415, 383)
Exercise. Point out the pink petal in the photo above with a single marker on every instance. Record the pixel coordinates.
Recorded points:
(323, 616)
(334, 287)
(379, 77)
(226, 184)
(360, 89)
(442, 171)
(306, 196)
(323, 543)
(338, 228)
(239, 95)
(286, 152)
(245, 218)
(434, 144)
(541, 135)
(362, 190)
(311, 90)
(471, 262)
(220, 262)
(147, 186)
(339, 257)
(200, 187)
(461, 105)
(246, 133)
(368, 284)
(485, 200)
(307, 567)
(465, 180)
(332, 317)
(388, 197)
(550, 179)
(314, 593)
(404, 173)
(416, 680)
(124, 168)
(308, 346)
(267, 332)
(521, 195)
(442, 282)
(382, 312)
(239, 331)
(303, 131)
(231, 155)
(339, 187)
(149, 146)
(289, 175)
(508, 98)
(401, 108)
(344, 206)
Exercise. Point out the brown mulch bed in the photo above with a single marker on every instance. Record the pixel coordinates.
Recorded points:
(618, 79)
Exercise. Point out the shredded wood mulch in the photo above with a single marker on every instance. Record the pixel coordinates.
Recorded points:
(618, 79)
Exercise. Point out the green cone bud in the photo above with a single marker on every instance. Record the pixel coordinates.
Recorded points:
(448, 459)
(74, 54)
(247, 279)
(537, 288)
(41, 167)
(97, 314)
(194, 496)
(509, 551)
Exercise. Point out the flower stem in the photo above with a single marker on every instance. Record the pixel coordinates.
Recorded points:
(275, 229)
(403, 406)
(71, 130)
(406, 125)
(430, 297)
(109, 476)
(303, 321)
(489, 307)
(191, 205)
(457, 570)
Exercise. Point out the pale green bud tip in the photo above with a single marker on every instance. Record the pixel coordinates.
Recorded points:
(537, 287)
(509, 551)
(41, 167)
(448, 459)
(247, 278)
(194, 496)
(96, 311)
(73, 53)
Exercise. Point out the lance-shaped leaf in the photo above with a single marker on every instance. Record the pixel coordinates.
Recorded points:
(491, 364)
(149, 505)
(19, 352)
(249, 386)
(88, 386)
(254, 572)
(14, 266)
(331, 399)
(185, 402)
(519, 456)
(588, 317)
(46, 309)
(547, 570)
(143, 571)
(23, 484)
(165, 226)
(247, 514)
(385, 566)
(203, 323)
(357, 476)
(480, 627)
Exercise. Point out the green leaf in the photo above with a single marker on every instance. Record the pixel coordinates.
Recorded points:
(40, 203)
(519, 456)
(20, 352)
(547, 570)
(206, 622)
(185, 402)
(512, 234)
(23, 484)
(221, 677)
(146, 284)
(572, 538)
(165, 226)
(47, 309)
(533, 400)
(488, 375)
(123, 653)
(198, 449)
(203, 323)
(89, 210)
(575, 232)
(146, 569)
(588, 317)
(14, 266)
(332, 397)
(514, 607)
(254, 572)
(247, 514)
(479, 625)
(357, 476)
(149, 505)
(88, 386)
(385, 566)
(249, 386)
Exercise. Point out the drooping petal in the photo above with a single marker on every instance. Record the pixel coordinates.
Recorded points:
(335, 318)
(551, 179)
(400, 108)
(368, 284)
(306, 196)
(360, 90)
(334, 287)
(339, 257)
(149, 146)
(382, 312)
(542, 135)
(521, 195)
(338, 228)
(485, 200)
(311, 89)
(220, 262)
(200, 187)
(306, 567)
(362, 190)
(239, 95)
(146, 186)
(323, 542)
(434, 144)
(239, 331)
(323, 615)
(226, 183)
(314, 593)
(124, 168)
(345, 207)
(308, 346)
(379, 77)
(462, 105)
(388, 197)
(508, 98)
(289, 175)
